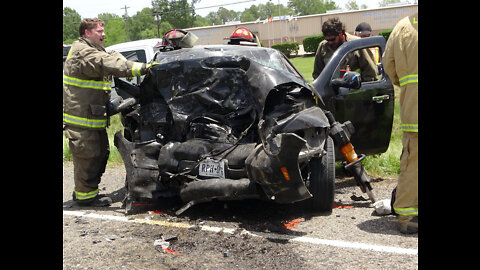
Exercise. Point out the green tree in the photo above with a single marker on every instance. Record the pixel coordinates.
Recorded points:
(250, 14)
(268, 10)
(142, 21)
(213, 18)
(71, 21)
(115, 29)
(226, 15)
(179, 13)
(307, 7)
(385, 3)
(351, 5)
(201, 21)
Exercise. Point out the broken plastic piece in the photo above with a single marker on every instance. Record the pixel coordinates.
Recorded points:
(291, 224)
(383, 207)
(156, 212)
(142, 204)
(342, 206)
(164, 244)
(285, 173)
(171, 251)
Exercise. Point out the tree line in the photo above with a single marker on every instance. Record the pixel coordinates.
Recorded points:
(163, 15)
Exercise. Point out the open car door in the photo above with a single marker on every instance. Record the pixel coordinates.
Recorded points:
(369, 106)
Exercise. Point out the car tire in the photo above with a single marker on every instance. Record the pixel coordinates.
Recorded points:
(321, 181)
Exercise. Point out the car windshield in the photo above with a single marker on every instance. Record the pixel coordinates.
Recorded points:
(264, 56)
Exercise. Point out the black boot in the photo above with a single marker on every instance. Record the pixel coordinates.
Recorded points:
(97, 201)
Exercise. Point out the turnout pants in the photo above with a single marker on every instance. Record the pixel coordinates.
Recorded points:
(406, 199)
(90, 150)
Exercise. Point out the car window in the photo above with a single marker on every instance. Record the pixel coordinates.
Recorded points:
(135, 55)
(270, 58)
(66, 49)
(366, 61)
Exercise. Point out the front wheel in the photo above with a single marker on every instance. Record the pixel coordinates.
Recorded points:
(320, 181)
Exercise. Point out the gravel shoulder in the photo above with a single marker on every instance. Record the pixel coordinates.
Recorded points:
(95, 243)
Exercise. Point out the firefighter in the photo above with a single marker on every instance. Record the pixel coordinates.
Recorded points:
(87, 80)
(177, 39)
(243, 36)
(359, 61)
(400, 62)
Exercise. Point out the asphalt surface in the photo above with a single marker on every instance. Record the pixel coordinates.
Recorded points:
(242, 234)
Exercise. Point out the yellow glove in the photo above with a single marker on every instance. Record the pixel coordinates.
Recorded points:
(148, 66)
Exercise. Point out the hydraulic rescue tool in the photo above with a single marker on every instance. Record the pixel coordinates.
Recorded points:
(341, 134)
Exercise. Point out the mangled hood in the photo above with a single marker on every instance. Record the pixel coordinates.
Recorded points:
(226, 85)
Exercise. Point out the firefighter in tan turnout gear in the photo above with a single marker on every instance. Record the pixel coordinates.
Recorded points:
(87, 79)
(400, 61)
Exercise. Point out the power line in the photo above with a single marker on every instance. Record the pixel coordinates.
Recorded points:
(227, 4)
(174, 11)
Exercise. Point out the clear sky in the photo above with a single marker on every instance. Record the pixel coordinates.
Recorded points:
(91, 8)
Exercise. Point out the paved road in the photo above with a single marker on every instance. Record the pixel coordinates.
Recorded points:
(245, 234)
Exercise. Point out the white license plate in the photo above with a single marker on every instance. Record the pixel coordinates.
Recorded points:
(212, 168)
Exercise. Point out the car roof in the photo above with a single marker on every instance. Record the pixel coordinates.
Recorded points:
(151, 42)
(206, 50)
(227, 47)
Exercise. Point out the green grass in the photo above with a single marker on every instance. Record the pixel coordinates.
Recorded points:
(388, 163)
(305, 66)
(114, 157)
(383, 165)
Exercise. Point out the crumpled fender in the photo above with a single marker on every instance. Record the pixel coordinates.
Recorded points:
(308, 118)
(266, 170)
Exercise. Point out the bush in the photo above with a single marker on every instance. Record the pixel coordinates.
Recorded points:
(385, 34)
(310, 44)
(287, 48)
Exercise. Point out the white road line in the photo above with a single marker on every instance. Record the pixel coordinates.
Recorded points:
(301, 239)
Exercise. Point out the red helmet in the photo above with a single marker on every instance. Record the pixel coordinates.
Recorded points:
(242, 33)
(173, 37)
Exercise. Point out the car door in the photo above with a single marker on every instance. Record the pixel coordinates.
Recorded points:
(370, 108)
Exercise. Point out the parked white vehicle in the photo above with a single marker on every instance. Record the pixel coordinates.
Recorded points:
(139, 50)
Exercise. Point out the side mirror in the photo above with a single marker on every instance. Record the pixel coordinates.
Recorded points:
(350, 80)
(380, 68)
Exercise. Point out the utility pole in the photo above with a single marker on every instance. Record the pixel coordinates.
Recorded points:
(157, 17)
(126, 21)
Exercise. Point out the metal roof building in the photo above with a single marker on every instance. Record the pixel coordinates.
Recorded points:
(288, 28)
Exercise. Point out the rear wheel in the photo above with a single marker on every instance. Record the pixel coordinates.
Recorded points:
(320, 173)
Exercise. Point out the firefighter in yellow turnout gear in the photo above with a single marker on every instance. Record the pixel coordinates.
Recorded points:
(400, 61)
(87, 80)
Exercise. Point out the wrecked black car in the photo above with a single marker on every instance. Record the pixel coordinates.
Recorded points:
(225, 122)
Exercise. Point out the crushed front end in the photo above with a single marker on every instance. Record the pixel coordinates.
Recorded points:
(219, 126)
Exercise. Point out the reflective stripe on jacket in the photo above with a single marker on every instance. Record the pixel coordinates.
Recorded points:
(101, 85)
(410, 127)
(411, 211)
(412, 78)
(87, 79)
(84, 122)
(85, 196)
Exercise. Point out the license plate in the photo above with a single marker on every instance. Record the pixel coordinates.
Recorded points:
(212, 168)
